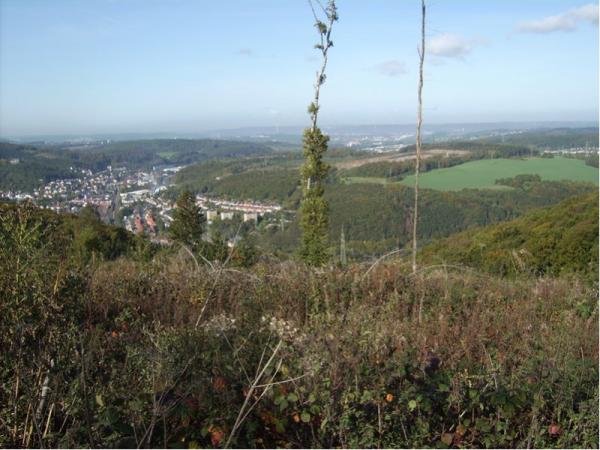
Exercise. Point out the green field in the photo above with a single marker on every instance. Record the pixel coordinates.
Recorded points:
(167, 155)
(372, 180)
(482, 174)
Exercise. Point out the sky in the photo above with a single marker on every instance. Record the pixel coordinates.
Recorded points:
(118, 66)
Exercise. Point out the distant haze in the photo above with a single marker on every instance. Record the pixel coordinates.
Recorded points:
(184, 67)
(293, 133)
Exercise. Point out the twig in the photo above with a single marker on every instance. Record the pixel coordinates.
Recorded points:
(240, 416)
(289, 380)
(44, 394)
(235, 354)
(264, 392)
(48, 420)
(445, 266)
(216, 279)
(379, 427)
(85, 397)
(381, 259)
(194, 257)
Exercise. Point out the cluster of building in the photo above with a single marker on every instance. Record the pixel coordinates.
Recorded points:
(225, 209)
(379, 144)
(132, 199)
(84, 188)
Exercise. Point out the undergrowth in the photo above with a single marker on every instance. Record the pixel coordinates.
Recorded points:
(168, 354)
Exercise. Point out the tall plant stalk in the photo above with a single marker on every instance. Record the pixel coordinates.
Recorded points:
(418, 143)
(315, 209)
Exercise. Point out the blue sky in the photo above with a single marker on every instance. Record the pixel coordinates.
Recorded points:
(112, 66)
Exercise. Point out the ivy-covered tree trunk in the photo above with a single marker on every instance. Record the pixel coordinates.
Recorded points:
(314, 210)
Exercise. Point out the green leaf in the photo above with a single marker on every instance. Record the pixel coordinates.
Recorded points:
(292, 397)
(412, 405)
(367, 396)
(99, 400)
(283, 404)
(443, 387)
(324, 423)
(305, 417)
(314, 409)
(279, 426)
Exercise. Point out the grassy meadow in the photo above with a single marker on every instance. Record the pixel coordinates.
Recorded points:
(482, 174)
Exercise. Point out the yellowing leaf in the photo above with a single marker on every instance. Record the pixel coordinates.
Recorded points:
(447, 438)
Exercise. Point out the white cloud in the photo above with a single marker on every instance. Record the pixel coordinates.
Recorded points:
(450, 46)
(246, 52)
(391, 68)
(567, 21)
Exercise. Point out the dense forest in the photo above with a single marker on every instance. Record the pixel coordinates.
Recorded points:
(148, 153)
(377, 218)
(558, 240)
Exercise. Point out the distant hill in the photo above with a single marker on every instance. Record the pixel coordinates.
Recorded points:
(552, 139)
(155, 152)
(38, 165)
(548, 241)
(25, 167)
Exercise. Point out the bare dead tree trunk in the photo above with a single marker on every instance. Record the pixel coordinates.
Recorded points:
(418, 144)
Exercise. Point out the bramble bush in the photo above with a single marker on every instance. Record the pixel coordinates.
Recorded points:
(163, 353)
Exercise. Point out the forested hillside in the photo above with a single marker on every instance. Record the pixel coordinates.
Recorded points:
(24, 167)
(146, 153)
(553, 138)
(33, 166)
(561, 239)
(377, 218)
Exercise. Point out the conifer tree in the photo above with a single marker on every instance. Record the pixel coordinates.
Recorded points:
(188, 222)
(314, 209)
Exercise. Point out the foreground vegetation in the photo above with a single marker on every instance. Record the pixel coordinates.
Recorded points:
(157, 351)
